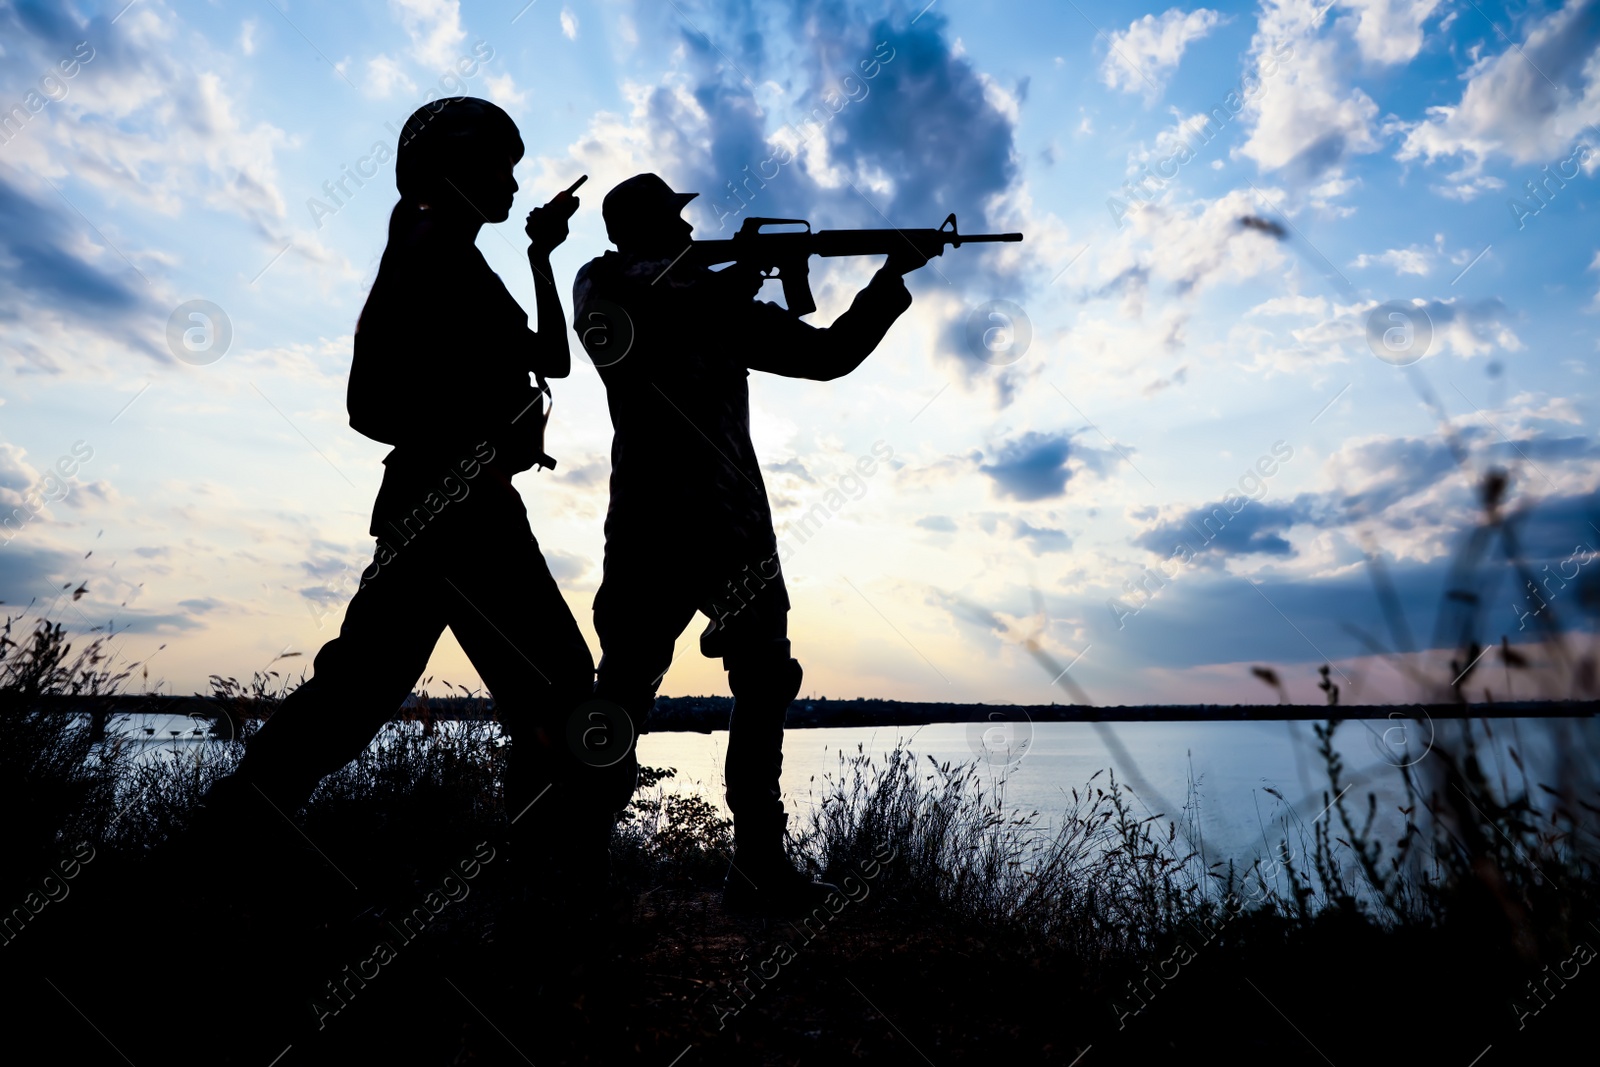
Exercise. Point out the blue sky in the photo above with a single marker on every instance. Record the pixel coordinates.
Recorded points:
(1198, 342)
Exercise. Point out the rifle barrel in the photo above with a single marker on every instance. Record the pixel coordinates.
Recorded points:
(834, 243)
(979, 237)
(883, 241)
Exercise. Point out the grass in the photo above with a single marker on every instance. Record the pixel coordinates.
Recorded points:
(989, 928)
(1101, 930)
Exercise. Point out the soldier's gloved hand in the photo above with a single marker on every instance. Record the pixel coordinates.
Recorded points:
(903, 261)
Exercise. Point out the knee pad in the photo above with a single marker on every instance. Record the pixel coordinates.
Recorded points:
(628, 682)
(575, 789)
(597, 755)
(777, 680)
(638, 703)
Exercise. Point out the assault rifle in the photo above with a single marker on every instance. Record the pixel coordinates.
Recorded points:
(786, 255)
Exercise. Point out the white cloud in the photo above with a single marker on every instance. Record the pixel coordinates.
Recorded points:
(569, 24)
(384, 76)
(1193, 245)
(247, 37)
(1337, 333)
(1390, 31)
(1142, 57)
(151, 127)
(1293, 304)
(1305, 116)
(1000, 98)
(1527, 408)
(1528, 103)
(503, 91)
(434, 27)
(1336, 185)
(17, 475)
(1412, 260)
(663, 124)
(165, 135)
(1466, 189)
(1466, 328)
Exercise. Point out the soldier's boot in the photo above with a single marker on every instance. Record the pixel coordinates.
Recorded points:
(240, 842)
(564, 811)
(762, 879)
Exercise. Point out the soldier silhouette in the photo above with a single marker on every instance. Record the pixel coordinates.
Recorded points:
(442, 358)
(688, 526)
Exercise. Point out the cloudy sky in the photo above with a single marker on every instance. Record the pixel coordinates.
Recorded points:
(1295, 276)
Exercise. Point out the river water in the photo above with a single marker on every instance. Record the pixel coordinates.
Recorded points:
(1232, 766)
(1230, 771)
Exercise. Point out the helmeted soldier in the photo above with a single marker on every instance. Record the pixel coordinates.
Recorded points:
(441, 368)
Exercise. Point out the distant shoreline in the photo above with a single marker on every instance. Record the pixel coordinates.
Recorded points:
(704, 714)
(695, 713)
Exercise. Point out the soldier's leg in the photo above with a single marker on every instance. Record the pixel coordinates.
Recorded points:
(360, 679)
(508, 613)
(639, 611)
(242, 856)
(750, 632)
(764, 679)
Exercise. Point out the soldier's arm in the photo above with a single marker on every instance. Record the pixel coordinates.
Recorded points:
(605, 309)
(551, 356)
(779, 343)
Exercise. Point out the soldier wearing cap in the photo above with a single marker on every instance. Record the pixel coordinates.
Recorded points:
(689, 527)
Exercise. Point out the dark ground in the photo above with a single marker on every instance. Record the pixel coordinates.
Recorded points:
(235, 975)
